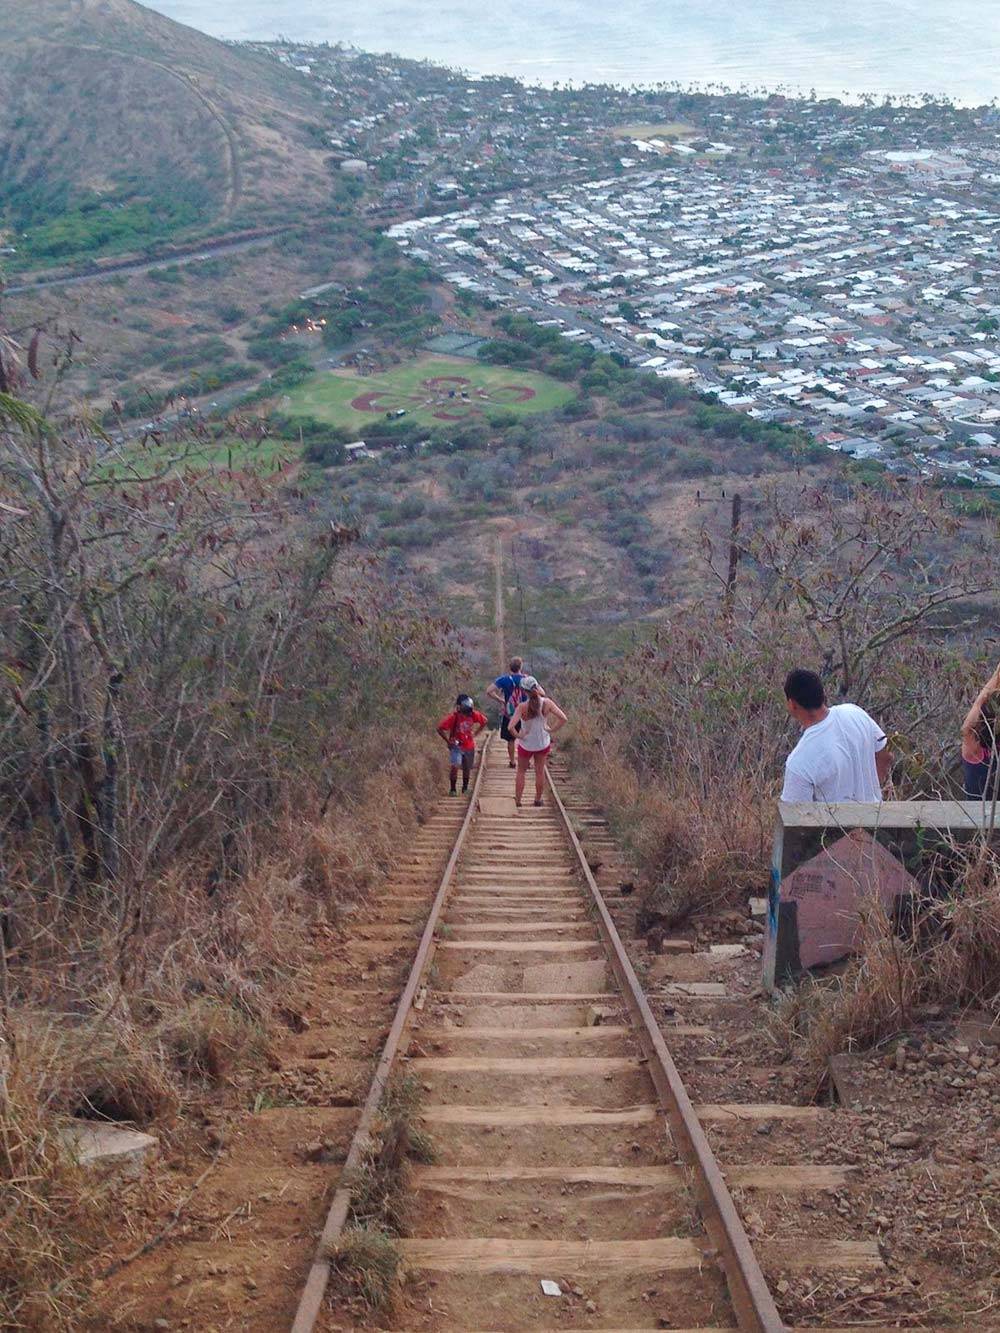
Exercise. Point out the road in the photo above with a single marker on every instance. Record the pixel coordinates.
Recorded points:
(205, 250)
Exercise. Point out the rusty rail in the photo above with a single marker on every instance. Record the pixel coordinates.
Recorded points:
(753, 1303)
(311, 1300)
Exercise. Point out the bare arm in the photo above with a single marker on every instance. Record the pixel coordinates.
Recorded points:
(554, 716)
(973, 750)
(494, 692)
(883, 764)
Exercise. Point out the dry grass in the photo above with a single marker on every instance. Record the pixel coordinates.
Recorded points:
(950, 957)
(695, 853)
(378, 1186)
(193, 1002)
(365, 1260)
(209, 1039)
(46, 1213)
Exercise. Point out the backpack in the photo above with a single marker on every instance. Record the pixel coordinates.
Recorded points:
(517, 696)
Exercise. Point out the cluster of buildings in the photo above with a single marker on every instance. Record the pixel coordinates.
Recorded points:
(866, 309)
(425, 134)
(829, 266)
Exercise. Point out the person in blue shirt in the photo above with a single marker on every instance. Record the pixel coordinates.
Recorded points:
(507, 692)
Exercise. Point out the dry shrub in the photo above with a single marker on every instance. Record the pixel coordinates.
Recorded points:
(208, 1039)
(103, 1068)
(357, 843)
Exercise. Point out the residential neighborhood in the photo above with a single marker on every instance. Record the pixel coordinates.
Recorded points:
(864, 310)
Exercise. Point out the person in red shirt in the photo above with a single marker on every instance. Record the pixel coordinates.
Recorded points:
(459, 731)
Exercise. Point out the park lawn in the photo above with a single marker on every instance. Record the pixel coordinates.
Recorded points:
(328, 396)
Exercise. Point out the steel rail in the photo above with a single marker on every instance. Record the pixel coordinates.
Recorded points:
(752, 1301)
(311, 1300)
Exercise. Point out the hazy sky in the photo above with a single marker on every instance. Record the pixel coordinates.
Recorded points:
(899, 46)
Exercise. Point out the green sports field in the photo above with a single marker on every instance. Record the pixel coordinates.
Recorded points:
(432, 391)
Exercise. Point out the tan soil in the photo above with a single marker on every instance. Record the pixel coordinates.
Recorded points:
(239, 1255)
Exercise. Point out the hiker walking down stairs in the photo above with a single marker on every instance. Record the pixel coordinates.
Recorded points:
(534, 723)
(459, 731)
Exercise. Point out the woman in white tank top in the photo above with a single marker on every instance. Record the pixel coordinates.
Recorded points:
(534, 724)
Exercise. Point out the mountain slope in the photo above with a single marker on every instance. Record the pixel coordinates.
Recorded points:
(106, 106)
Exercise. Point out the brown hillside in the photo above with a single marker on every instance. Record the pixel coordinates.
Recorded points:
(103, 94)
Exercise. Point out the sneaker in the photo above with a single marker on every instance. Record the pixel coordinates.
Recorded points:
(465, 791)
(453, 792)
(539, 802)
(511, 764)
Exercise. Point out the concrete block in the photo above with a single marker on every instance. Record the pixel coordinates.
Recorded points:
(97, 1146)
(727, 950)
(497, 805)
(705, 989)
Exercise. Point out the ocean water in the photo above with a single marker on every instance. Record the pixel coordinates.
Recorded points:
(837, 48)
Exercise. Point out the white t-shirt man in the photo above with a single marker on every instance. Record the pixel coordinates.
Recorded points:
(835, 759)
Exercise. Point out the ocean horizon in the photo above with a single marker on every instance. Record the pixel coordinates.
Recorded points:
(883, 47)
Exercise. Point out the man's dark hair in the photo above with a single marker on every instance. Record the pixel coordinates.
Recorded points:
(805, 689)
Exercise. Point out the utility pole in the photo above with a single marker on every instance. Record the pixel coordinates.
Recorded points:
(734, 552)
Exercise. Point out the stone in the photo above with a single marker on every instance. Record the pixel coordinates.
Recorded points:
(704, 989)
(758, 908)
(322, 1150)
(906, 1138)
(847, 1076)
(726, 950)
(598, 1015)
(98, 1146)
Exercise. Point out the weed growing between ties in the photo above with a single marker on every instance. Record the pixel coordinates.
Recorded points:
(378, 1186)
(208, 749)
(365, 1259)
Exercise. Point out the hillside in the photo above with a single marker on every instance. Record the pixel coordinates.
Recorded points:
(118, 125)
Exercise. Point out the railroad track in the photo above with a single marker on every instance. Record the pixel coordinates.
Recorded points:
(568, 1149)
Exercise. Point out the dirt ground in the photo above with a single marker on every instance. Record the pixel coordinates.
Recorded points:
(899, 1158)
(249, 1180)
